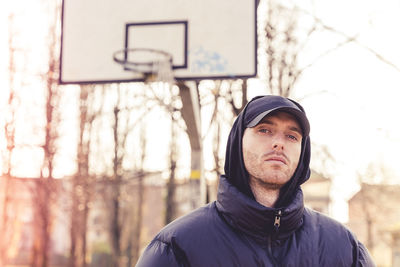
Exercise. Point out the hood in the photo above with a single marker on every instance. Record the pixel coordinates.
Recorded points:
(254, 111)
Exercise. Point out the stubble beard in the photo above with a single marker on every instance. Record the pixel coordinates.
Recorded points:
(263, 174)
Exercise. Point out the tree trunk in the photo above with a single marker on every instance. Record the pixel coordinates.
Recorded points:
(138, 221)
(9, 132)
(42, 223)
(45, 191)
(115, 225)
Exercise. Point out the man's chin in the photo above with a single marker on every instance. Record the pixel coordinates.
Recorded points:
(272, 184)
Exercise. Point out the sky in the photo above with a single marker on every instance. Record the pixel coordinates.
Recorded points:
(357, 116)
(350, 95)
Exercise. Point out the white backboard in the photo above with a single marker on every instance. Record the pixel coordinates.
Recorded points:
(208, 39)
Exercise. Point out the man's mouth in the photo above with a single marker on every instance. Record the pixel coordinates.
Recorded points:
(277, 159)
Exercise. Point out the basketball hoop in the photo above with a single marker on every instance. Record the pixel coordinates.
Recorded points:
(155, 65)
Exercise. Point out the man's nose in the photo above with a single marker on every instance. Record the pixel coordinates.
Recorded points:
(278, 142)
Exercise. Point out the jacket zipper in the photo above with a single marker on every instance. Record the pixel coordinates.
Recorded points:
(277, 224)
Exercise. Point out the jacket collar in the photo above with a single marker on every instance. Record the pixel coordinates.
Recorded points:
(248, 216)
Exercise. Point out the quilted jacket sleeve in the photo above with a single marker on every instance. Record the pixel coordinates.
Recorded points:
(159, 253)
(364, 258)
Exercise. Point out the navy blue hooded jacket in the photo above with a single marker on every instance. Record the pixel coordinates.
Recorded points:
(236, 230)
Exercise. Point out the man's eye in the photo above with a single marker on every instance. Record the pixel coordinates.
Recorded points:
(292, 137)
(264, 130)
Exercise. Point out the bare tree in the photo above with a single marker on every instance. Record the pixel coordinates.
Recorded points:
(116, 182)
(171, 187)
(9, 131)
(284, 41)
(83, 183)
(134, 241)
(119, 219)
(45, 191)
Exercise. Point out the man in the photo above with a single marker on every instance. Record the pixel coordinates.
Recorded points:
(259, 218)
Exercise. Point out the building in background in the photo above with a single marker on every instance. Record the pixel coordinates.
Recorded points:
(316, 193)
(374, 216)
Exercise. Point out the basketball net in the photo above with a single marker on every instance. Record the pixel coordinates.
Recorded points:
(162, 71)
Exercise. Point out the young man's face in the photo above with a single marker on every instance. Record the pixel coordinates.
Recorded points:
(271, 150)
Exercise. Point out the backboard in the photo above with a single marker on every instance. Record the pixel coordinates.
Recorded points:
(208, 39)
